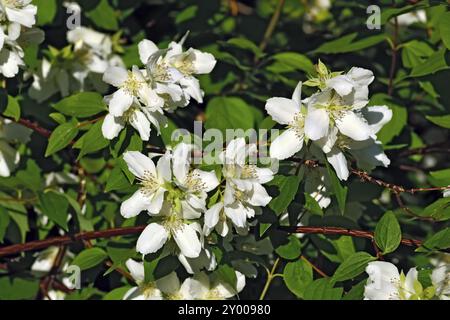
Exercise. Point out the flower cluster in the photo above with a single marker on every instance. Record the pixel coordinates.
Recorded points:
(386, 283)
(198, 287)
(175, 195)
(76, 67)
(166, 83)
(335, 119)
(16, 19)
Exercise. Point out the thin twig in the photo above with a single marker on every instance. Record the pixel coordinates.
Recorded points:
(323, 274)
(393, 58)
(272, 25)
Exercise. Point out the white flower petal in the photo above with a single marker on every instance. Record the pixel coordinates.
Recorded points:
(134, 205)
(120, 102)
(136, 270)
(163, 168)
(282, 110)
(212, 215)
(112, 126)
(146, 49)
(203, 62)
(353, 126)
(115, 76)
(208, 179)
(297, 94)
(139, 164)
(377, 117)
(337, 159)
(316, 123)
(181, 161)
(140, 122)
(187, 240)
(342, 84)
(152, 239)
(286, 145)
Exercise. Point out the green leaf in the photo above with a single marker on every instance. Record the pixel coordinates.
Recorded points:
(227, 275)
(117, 180)
(89, 258)
(12, 109)
(291, 250)
(436, 62)
(15, 288)
(228, 113)
(117, 293)
(61, 137)
(46, 11)
(81, 105)
(442, 121)
(440, 178)
(345, 44)
(352, 266)
(388, 234)
(92, 140)
(55, 207)
(356, 292)
(444, 28)
(415, 52)
(322, 289)
(297, 276)
(312, 206)
(291, 61)
(246, 44)
(340, 192)
(438, 241)
(438, 210)
(103, 16)
(287, 186)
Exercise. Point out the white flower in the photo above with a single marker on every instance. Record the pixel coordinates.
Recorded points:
(244, 193)
(409, 18)
(287, 112)
(11, 54)
(137, 116)
(440, 277)
(132, 86)
(338, 106)
(201, 288)
(143, 290)
(194, 184)
(386, 283)
(152, 179)
(171, 225)
(18, 11)
(368, 153)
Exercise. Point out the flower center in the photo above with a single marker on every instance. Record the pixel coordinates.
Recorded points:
(173, 223)
(132, 84)
(149, 184)
(13, 3)
(193, 183)
(184, 65)
(213, 294)
(148, 290)
(248, 172)
(298, 124)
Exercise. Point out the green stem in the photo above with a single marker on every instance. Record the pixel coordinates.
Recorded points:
(270, 276)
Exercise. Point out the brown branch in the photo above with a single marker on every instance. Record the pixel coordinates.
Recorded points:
(62, 240)
(393, 187)
(344, 232)
(34, 126)
(323, 274)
